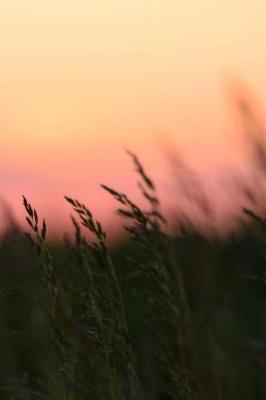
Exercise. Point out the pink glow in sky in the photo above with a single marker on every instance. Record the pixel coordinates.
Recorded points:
(81, 80)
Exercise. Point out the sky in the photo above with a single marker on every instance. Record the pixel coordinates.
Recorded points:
(81, 80)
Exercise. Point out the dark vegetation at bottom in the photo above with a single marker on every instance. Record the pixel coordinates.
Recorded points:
(160, 318)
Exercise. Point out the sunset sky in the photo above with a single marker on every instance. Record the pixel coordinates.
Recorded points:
(80, 80)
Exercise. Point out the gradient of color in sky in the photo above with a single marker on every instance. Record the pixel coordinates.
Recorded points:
(80, 80)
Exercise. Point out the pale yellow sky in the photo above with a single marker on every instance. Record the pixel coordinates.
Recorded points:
(81, 79)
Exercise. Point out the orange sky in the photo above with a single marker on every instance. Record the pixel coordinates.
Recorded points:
(82, 79)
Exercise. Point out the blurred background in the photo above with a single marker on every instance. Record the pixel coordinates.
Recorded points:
(182, 85)
(81, 81)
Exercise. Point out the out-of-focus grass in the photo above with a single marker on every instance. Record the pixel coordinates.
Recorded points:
(161, 317)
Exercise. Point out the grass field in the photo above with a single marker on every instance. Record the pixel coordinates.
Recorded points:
(161, 317)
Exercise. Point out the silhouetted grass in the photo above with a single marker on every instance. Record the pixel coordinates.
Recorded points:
(163, 317)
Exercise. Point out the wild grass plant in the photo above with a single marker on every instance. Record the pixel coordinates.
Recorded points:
(92, 310)
(166, 317)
